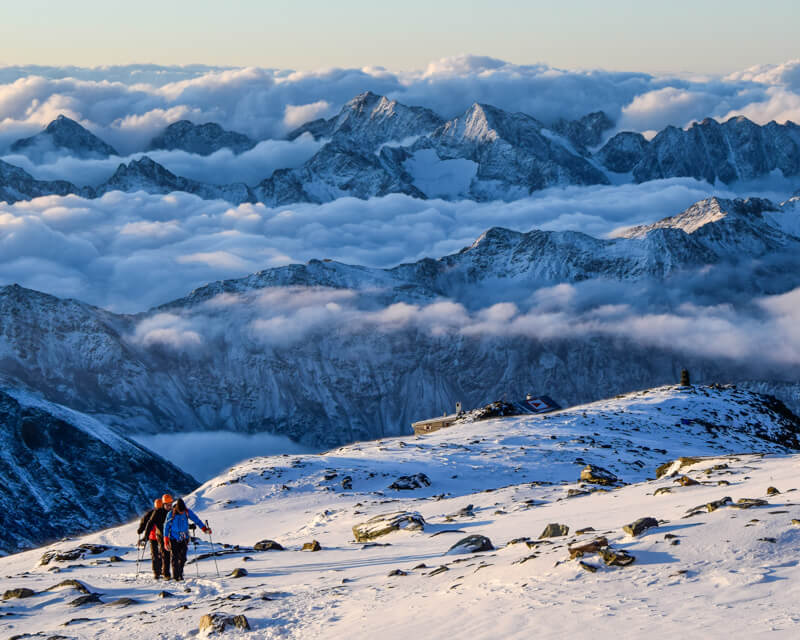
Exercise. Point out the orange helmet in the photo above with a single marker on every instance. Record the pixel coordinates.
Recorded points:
(157, 503)
(167, 499)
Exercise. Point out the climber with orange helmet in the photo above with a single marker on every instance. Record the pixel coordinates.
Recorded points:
(155, 526)
(146, 528)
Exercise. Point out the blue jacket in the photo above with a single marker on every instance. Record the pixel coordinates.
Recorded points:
(176, 526)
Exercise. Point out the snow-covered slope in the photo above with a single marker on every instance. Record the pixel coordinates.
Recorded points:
(63, 135)
(505, 479)
(238, 355)
(203, 139)
(63, 472)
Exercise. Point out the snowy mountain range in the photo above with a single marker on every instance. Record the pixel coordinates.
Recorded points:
(63, 473)
(244, 355)
(652, 508)
(376, 146)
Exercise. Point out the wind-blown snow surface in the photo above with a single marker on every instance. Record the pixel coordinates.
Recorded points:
(717, 580)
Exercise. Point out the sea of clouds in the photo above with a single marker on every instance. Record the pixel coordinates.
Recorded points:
(132, 251)
(127, 106)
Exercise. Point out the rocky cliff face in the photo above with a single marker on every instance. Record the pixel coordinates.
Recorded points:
(202, 139)
(737, 149)
(585, 132)
(339, 383)
(63, 472)
(64, 135)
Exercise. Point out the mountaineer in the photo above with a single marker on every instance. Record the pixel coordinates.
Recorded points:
(155, 526)
(147, 529)
(176, 535)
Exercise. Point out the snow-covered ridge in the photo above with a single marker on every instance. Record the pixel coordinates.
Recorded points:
(721, 532)
(376, 146)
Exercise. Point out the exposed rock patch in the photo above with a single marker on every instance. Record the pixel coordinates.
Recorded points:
(383, 524)
(471, 544)
(639, 526)
(554, 530)
(409, 483)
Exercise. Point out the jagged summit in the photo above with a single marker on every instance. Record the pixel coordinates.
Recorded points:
(370, 120)
(706, 212)
(203, 139)
(64, 134)
(512, 151)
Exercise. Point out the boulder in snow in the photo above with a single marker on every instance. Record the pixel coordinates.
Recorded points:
(385, 523)
(640, 526)
(554, 530)
(471, 544)
(408, 483)
(616, 557)
(267, 545)
(219, 622)
(89, 598)
(22, 592)
(597, 475)
(746, 503)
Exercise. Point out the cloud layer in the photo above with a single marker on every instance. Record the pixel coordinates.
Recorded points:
(129, 252)
(127, 106)
(761, 334)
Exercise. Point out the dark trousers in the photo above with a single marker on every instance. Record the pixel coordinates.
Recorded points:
(178, 553)
(155, 557)
(165, 556)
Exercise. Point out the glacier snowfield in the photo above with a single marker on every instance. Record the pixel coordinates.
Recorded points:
(703, 571)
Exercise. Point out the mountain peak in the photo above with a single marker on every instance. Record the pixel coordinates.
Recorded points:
(705, 212)
(64, 134)
(201, 139)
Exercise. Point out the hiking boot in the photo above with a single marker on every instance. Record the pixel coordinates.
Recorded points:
(156, 576)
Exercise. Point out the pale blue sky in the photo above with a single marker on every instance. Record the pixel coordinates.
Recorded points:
(706, 36)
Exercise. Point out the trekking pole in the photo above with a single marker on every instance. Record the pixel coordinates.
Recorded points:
(138, 556)
(193, 527)
(213, 552)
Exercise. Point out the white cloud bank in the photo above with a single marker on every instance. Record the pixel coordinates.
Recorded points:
(761, 333)
(127, 106)
(129, 252)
